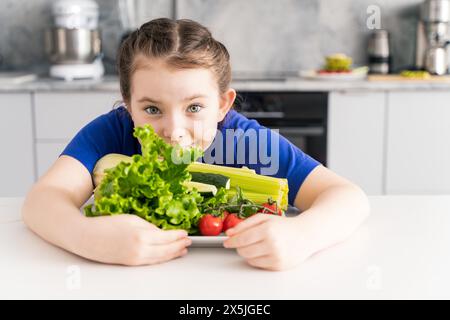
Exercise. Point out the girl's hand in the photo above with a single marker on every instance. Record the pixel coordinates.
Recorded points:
(269, 242)
(130, 240)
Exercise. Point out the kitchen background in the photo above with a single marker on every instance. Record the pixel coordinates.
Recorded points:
(262, 36)
(388, 134)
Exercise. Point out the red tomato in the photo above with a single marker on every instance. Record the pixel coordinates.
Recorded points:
(210, 225)
(271, 206)
(225, 214)
(231, 221)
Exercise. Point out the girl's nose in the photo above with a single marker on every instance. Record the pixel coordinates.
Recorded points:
(177, 135)
(174, 130)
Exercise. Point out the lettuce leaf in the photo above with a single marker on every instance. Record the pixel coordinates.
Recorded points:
(151, 186)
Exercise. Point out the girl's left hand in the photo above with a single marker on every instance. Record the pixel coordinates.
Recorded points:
(269, 242)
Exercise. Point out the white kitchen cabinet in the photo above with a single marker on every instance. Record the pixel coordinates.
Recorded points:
(60, 115)
(355, 137)
(16, 141)
(47, 153)
(418, 149)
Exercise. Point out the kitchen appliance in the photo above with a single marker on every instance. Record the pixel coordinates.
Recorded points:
(379, 53)
(73, 43)
(433, 37)
(301, 117)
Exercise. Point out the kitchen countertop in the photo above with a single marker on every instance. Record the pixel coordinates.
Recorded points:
(111, 84)
(402, 251)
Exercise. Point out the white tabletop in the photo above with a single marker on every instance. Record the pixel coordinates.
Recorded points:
(402, 251)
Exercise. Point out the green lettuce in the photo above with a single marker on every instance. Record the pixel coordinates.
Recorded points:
(152, 186)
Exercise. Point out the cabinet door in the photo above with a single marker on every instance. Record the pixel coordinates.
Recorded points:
(59, 116)
(418, 153)
(47, 153)
(356, 138)
(16, 141)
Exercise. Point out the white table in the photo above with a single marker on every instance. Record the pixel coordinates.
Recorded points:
(402, 251)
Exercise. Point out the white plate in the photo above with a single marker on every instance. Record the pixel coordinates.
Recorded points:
(207, 242)
(357, 74)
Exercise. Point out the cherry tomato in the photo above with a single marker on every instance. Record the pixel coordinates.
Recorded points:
(231, 221)
(273, 207)
(225, 214)
(210, 225)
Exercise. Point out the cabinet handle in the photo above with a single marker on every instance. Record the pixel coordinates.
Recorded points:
(302, 131)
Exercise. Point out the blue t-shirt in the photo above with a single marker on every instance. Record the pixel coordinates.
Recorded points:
(239, 142)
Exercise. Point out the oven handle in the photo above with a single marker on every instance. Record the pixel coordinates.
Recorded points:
(262, 114)
(301, 131)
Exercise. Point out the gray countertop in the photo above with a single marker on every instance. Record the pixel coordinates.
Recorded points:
(111, 84)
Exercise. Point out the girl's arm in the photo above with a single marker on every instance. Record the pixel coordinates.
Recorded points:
(332, 206)
(51, 209)
(332, 209)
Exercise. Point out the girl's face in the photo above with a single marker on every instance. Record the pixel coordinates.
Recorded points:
(182, 105)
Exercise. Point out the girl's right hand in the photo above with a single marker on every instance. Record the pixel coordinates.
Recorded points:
(130, 240)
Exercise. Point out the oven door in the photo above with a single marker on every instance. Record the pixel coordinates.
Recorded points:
(300, 117)
(311, 140)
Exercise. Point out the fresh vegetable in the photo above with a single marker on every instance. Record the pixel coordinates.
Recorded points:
(271, 207)
(415, 74)
(151, 185)
(203, 188)
(218, 180)
(233, 212)
(231, 221)
(239, 204)
(338, 62)
(159, 189)
(108, 161)
(210, 225)
(225, 214)
(257, 188)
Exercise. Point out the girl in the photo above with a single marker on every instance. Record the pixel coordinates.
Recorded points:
(175, 76)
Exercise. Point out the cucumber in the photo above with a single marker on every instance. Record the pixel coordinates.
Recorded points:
(203, 188)
(218, 180)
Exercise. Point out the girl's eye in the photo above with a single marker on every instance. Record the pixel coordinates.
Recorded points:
(152, 110)
(194, 108)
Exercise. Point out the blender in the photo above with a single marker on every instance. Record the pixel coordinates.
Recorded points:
(433, 35)
(73, 43)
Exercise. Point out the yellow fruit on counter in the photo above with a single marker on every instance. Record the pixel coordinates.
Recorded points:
(338, 62)
(415, 74)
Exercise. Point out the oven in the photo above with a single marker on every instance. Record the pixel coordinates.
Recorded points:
(301, 117)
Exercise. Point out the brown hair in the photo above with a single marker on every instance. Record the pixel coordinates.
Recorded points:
(181, 43)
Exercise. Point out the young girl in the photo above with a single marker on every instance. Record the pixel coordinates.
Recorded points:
(175, 76)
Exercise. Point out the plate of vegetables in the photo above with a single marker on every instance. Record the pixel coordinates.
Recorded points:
(337, 67)
(217, 220)
(167, 187)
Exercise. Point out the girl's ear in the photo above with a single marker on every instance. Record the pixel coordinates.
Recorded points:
(226, 102)
(127, 106)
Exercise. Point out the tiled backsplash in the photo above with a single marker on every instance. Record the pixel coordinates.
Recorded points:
(271, 35)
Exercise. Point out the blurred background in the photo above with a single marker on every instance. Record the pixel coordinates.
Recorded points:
(362, 86)
(255, 32)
